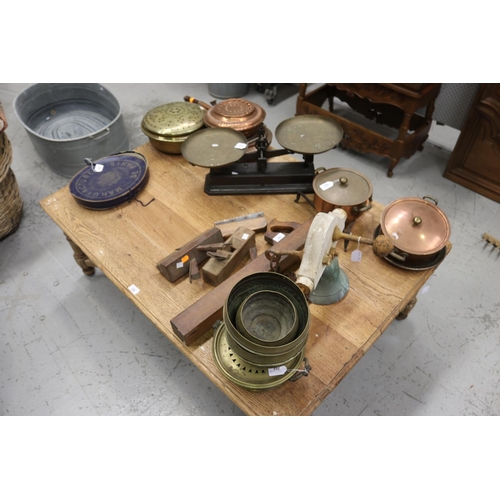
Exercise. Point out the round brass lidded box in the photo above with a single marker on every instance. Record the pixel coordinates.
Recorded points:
(169, 125)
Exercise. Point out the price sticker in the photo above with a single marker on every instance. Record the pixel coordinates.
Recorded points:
(215, 145)
(134, 289)
(278, 237)
(240, 145)
(98, 167)
(326, 185)
(245, 236)
(279, 370)
(356, 256)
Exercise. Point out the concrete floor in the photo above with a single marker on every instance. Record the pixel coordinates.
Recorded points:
(74, 345)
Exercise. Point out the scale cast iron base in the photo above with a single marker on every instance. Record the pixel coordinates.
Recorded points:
(246, 178)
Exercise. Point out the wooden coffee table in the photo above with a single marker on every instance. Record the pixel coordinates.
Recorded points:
(127, 242)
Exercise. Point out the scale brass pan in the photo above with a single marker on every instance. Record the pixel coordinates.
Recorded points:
(214, 147)
(309, 134)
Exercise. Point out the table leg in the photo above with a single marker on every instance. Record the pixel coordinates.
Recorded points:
(81, 259)
(403, 314)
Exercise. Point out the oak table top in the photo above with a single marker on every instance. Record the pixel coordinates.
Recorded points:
(127, 242)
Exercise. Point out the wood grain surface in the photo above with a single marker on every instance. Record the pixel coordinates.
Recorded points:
(127, 242)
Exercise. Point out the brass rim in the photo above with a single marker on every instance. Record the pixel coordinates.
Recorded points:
(246, 374)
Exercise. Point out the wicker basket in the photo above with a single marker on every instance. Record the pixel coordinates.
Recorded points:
(11, 205)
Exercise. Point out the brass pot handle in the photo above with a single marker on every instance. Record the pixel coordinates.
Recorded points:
(358, 210)
(400, 257)
(430, 198)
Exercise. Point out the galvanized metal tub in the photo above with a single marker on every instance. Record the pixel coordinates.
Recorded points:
(68, 122)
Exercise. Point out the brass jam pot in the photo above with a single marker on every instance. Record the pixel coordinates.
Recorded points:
(169, 125)
(342, 188)
(418, 229)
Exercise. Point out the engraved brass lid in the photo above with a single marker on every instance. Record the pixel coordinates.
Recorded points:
(342, 187)
(238, 114)
(173, 119)
(415, 225)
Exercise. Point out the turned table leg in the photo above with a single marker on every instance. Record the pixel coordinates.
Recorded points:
(81, 259)
(403, 314)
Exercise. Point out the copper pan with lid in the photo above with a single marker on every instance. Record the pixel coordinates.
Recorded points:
(239, 114)
(418, 229)
(342, 188)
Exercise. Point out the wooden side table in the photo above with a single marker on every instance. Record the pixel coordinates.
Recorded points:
(391, 104)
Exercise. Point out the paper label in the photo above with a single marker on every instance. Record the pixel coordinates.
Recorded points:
(326, 185)
(215, 145)
(279, 370)
(98, 167)
(245, 236)
(356, 256)
(134, 289)
(278, 237)
(234, 173)
(240, 145)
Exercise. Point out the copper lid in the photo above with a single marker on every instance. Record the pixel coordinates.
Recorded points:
(415, 226)
(173, 119)
(237, 114)
(342, 187)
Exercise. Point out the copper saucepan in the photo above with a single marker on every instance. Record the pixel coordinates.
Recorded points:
(418, 229)
(342, 188)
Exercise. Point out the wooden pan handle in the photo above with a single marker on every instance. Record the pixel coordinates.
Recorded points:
(196, 101)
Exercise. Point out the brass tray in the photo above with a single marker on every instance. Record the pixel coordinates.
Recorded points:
(309, 134)
(214, 147)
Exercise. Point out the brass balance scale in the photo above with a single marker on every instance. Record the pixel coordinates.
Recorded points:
(234, 170)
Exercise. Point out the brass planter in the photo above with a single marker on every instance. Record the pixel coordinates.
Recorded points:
(267, 318)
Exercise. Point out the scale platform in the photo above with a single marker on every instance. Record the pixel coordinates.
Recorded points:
(245, 178)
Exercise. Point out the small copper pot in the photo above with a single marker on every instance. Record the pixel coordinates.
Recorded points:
(241, 115)
(342, 188)
(418, 229)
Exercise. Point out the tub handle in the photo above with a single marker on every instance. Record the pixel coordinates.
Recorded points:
(104, 133)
